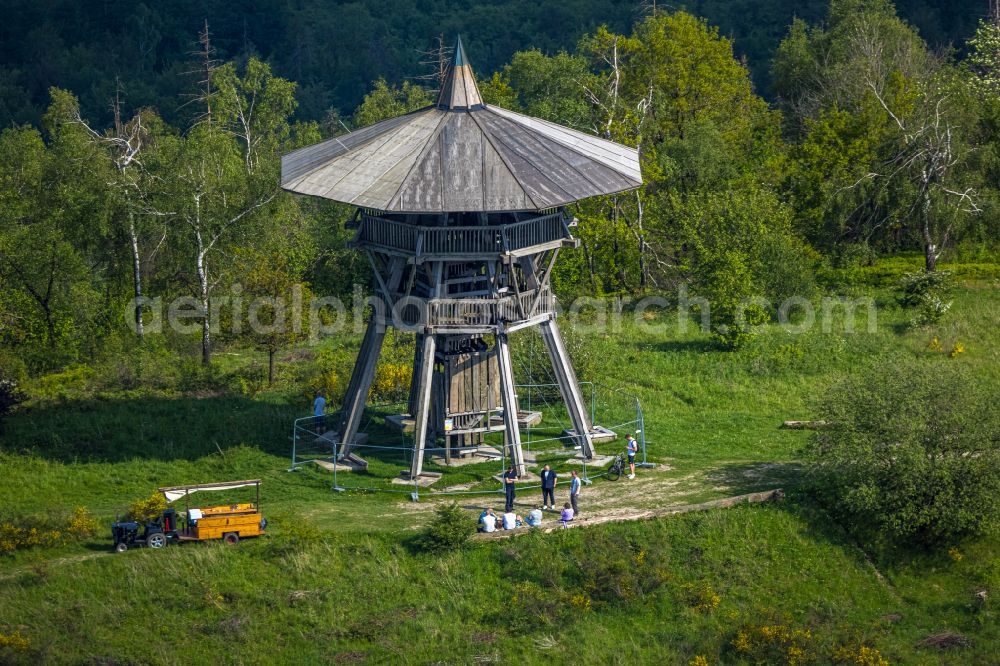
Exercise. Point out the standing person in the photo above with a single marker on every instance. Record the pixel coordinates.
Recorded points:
(574, 492)
(319, 412)
(548, 488)
(631, 448)
(509, 479)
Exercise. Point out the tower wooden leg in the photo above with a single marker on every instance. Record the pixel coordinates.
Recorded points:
(418, 350)
(421, 424)
(568, 386)
(512, 436)
(361, 381)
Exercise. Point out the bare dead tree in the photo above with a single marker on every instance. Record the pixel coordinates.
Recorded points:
(435, 61)
(652, 7)
(616, 119)
(927, 157)
(204, 68)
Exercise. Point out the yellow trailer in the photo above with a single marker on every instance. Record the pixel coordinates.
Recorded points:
(229, 522)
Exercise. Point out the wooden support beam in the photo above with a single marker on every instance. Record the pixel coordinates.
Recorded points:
(424, 376)
(396, 267)
(386, 294)
(418, 351)
(528, 269)
(421, 421)
(508, 397)
(361, 381)
(568, 385)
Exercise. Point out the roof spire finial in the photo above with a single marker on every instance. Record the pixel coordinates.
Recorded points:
(460, 92)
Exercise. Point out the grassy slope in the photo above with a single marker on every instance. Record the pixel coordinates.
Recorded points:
(368, 597)
(709, 414)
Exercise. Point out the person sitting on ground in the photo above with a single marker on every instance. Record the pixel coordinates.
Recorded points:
(567, 515)
(488, 521)
(511, 520)
(534, 518)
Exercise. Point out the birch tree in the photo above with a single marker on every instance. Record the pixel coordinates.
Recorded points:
(254, 108)
(126, 145)
(223, 177)
(215, 202)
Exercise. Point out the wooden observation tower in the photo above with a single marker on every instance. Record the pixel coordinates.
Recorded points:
(461, 214)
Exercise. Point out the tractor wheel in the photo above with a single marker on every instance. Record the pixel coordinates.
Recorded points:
(158, 540)
(231, 538)
(121, 547)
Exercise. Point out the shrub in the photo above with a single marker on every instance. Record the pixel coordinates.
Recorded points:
(146, 509)
(24, 534)
(15, 642)
(449, 530)
(10, 398)
(913, 452)
(45, 531)
(81, 524)
(774, 643)
(929, 292)
(12, 366)
(859, 656)
(734, 331)
(73, 382)
(701, 597)
(730, 290)
(391, 382)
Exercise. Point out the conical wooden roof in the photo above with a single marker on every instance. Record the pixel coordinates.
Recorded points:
(460, 90)
(461, 155)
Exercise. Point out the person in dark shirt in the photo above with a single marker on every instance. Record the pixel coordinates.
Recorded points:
(548, 488)
(509, 478)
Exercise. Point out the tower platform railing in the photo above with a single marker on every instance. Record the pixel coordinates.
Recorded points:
(465, 312)
(493, 240)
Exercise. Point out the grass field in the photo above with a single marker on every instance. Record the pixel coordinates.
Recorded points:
(337, 582)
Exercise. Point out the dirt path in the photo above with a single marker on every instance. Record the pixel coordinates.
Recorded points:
(618, 516)
(652, 490)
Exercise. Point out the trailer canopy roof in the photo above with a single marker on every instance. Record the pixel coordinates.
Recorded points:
(174, 493)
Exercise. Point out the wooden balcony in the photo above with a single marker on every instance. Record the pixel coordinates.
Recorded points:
(477, 314)
(426, 243)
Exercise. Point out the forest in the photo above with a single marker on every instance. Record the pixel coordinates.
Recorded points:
(873, 143)
(94, 46)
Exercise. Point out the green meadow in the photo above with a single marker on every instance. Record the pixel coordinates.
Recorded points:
(338, 578)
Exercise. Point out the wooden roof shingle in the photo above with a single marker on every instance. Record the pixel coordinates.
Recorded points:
(461, 155)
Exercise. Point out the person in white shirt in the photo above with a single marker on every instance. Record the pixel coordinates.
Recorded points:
(489, 522)
(534, 518)
(511, 520)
